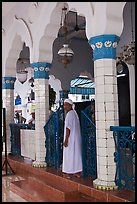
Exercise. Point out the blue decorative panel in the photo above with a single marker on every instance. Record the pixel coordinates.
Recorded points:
(41, 70)
(54, 129)
(124, 156)
(72, 90)
(8, 82)
(89, 158)
(80, 90)
(104, 46)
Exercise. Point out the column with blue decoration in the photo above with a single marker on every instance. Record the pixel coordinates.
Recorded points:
(8, 104)
(106, 107)
(41, 81)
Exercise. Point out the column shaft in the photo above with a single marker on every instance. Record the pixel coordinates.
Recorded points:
(41, 81)
(8, 103)
(106, 107)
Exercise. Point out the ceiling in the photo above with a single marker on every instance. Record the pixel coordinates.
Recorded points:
(75, 26)
(125, 38)
(80, 34)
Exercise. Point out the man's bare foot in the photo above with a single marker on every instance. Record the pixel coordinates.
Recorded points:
(78, 175)
(65, 175)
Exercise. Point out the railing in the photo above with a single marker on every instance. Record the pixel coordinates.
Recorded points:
(54, 138)
(15, 137)
(89, 158)
(124, 156)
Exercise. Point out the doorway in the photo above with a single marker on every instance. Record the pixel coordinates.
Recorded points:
(123, 94)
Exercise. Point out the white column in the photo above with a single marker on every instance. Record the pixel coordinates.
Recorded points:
(41, 81)
(131, 69)
(8, 103)
(106, 103)
(106, 108)
(41, 116)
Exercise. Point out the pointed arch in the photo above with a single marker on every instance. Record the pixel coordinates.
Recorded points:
(13, 41)
(50, 33)
(56, 85)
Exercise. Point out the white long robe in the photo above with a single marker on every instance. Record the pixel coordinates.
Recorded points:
(72, 154)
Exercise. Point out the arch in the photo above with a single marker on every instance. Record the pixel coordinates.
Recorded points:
(75, 68)
(53, 24)
(12, 45)
(114, 16)
(56, 85)
(50, 34)
(13, 54)
(50, 50)
(126, 35)
(89, 14)
(111, 17)
(43, 47)
(124, 96)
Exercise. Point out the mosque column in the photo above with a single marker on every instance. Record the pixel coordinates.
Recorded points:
(131, 69)
(8, 104)
(41, 80)
(106, 107)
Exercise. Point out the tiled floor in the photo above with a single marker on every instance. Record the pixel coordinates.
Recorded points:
(25, 170)
(7, 195)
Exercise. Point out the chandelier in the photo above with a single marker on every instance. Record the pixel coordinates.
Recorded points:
(128, 54)
(65, 54)
(22, 64)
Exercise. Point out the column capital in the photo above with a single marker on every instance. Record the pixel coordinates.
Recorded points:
(104, 46)
(8, 82)
(41, 70)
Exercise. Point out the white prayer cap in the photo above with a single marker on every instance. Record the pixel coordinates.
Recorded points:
(67, 100)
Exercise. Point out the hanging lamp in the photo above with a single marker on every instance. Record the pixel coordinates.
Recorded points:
(65, 54)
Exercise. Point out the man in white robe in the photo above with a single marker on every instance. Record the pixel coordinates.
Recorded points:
(72, 146)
